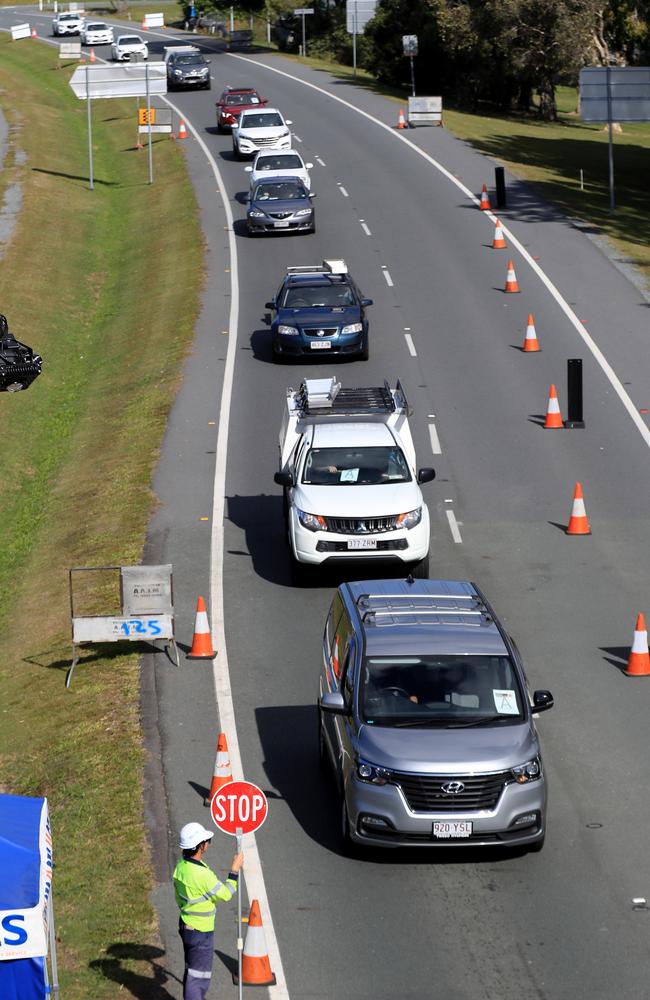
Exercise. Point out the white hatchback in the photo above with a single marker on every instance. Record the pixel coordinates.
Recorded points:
(125, 45)
(96, 33)
(285, 163)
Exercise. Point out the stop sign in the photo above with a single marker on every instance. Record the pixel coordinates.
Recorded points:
(239, 805)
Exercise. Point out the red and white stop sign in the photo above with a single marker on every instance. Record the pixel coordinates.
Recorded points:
(239, 805)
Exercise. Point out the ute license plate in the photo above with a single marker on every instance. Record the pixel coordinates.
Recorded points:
(281, 223)
(445, 831)
(320, 345)
(362, 543)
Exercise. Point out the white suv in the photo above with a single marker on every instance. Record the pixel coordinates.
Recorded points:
(96, 33)
(260, 129)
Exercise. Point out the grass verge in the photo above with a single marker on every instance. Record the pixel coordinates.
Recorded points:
(105, 285)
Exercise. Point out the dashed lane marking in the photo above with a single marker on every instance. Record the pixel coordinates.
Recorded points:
(411, 346)
(343, 191)
(453, 527)
(365, 228)
(322, 162)
(386, 274)
(435, 440)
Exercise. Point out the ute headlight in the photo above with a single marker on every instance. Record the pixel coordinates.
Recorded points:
(352, 328)
(287, 331)
(371, 773)
(254, 214)
(410, 519)
(530, 771)
(313, 522)
(304, 211)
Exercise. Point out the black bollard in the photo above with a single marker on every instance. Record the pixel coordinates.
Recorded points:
(574, 389)
(500, 182)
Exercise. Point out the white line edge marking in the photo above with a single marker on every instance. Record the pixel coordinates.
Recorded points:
(453, 527)
(365, 229)
(590, 343)
(343, 191)
(435, 440)
(253, 874)
(411, 346)
(322, 162)
(386, 274)
(297, 137)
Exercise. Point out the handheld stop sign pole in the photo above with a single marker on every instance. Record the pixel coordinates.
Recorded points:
(238, 808)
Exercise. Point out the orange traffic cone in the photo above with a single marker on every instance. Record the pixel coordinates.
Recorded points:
(34, 33)
(401, 122)
(531, 343)
(484, 203)
(638, 664)
(182, 131)
(144, 26)
(578, 523)
(202, 641)
(255, 966)
(222, 768)
(553, 416)
(498, 243)
(92, 57)
(511, 278)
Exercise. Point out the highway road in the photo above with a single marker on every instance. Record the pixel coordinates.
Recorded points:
(412, 924)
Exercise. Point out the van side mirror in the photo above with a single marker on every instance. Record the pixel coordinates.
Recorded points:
(542, 701)
(367, 302)
(426, 475)
(334, 703)
(284, 479)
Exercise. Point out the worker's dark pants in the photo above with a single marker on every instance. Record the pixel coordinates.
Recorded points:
(198, 947)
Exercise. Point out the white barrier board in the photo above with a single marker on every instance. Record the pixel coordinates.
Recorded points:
(122, 628)
(154, 20)
(425, 111)
(20, 31)
(70, 50)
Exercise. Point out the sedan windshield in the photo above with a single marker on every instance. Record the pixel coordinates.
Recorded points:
(283, 161)
(282, 191)
(96, 27)
(312, 296)
(445, 690)
(370, 466)
(261, 121)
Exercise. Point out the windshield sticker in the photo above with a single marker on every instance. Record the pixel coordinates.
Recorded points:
(505, 702)
(349, 475)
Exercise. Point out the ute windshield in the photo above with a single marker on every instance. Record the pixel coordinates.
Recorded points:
(440, 691)
(369, 466)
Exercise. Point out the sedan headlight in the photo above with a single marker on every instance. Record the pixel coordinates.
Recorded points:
(352, 328)
(410, 519)
(372, 774)
(304, 211)
(530, 771)
(313, 522)
(254, 214)
(287, 331)
(178, 72)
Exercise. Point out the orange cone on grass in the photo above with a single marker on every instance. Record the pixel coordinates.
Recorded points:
(553, 415)
(92, 57)
(401, 121)
(255, 966)
(484, 203)
(511, 278)
(578, 523)
(222, 768)
(638, 664)
(144, 26)
(531, 343)
(499, 242)
(202, 639)
(182, 131)
(34, 33)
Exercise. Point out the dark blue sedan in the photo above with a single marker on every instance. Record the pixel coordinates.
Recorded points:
(319, 311)
(280, 205)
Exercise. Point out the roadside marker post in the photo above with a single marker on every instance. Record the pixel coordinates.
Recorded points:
(240, 941)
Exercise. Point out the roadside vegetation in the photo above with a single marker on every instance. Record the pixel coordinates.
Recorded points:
(105, 285)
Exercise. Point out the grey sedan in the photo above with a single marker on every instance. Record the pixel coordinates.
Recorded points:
(283, 204)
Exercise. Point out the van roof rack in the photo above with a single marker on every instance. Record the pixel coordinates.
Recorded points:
(327, 395)
(397, 606)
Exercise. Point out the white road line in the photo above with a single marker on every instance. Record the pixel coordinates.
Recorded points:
(365, 229)
(343, 191)
(435, 440)
(411, 346)
(322, 162)
(590, 343)
(297, 137)
(453, 527)
(386, 274)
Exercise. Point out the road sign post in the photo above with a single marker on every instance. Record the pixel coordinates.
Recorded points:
(90, 133)
(410, 43)
(303, 11)
(148, 96)
(240, 940)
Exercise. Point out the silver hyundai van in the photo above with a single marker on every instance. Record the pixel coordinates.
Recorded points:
(426, 717)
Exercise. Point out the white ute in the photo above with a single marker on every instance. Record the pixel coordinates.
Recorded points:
(348, 471)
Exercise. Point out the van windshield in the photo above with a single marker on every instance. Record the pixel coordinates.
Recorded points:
(445, 690)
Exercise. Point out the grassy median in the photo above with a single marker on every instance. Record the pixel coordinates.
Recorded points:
(105, 285)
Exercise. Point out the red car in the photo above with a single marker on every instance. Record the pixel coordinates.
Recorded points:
(232, 102)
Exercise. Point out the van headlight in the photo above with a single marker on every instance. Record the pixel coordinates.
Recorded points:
(371, 773)
(313, 522)
(530, 771)
(352, 328)
(410, 519)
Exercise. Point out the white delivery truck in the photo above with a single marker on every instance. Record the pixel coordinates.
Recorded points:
(348, 471)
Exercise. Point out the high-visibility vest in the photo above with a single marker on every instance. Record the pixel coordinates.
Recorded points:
(198, 890)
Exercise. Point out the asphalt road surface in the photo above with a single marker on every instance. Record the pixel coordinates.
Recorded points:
(418, 924)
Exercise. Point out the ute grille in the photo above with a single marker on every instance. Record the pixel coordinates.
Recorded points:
(361, 525)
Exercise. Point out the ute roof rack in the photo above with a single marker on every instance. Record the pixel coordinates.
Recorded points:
(399, 606)
(326, 395)
(329, 267)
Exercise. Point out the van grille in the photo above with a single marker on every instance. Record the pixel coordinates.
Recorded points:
(424, 793)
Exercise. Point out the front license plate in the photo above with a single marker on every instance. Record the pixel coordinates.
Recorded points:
(362, 543)
(320, 345)
(448, 830)
(282, 224)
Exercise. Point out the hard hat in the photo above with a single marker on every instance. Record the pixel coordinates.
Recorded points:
(193, 834)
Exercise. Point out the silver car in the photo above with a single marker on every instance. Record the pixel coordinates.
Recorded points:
(426, 717)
